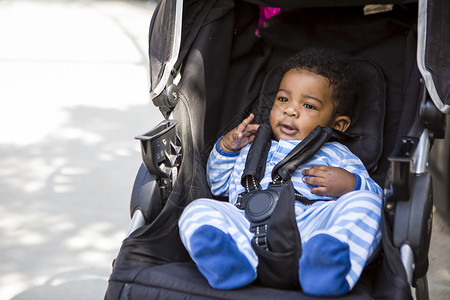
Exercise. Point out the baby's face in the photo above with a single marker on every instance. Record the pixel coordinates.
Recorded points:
(303, 101)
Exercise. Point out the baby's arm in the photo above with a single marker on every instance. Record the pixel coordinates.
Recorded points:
(348, 173)
(239, 136)
(331, 181)
(225, 154)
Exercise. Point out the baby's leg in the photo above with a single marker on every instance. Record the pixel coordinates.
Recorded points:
(338, 238)
(217, 238)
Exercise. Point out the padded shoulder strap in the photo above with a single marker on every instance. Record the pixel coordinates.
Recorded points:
(255, 164)
(256, 159)
(305, 150)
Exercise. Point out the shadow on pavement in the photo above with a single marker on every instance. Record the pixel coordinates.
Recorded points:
(68, 198)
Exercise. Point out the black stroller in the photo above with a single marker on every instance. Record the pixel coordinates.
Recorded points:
(211, 62)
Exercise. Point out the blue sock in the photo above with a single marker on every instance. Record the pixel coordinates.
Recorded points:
(324, 263)
(218, 258)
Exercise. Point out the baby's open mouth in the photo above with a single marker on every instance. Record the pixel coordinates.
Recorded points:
(286, 129)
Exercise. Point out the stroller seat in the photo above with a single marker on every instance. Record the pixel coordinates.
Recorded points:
(184, 281)
(174, 280)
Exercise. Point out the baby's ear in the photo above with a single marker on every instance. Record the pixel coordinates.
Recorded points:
(341, 123)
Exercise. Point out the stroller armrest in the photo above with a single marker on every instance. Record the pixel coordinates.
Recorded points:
(161, 155)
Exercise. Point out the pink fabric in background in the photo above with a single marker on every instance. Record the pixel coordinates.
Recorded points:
(265, 13)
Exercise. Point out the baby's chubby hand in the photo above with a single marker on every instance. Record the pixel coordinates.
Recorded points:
(331, 181)
(240, 136)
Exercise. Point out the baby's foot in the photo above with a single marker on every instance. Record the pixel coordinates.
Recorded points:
(218, 258)
(323, 266)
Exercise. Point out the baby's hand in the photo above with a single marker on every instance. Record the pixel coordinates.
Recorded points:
(240, 136)
(331, 181)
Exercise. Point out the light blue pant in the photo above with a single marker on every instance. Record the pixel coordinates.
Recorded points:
(338, 237)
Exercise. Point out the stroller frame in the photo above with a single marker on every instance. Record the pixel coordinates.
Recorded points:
(169, 148)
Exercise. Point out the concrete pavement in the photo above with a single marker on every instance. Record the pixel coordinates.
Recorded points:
(74, 93)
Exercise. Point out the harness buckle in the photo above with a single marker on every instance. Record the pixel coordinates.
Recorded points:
(260, 235)
(238, 203)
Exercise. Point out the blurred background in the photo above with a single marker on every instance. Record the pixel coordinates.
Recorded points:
(74, 94)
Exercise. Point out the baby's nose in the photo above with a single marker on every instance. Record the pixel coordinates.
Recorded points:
(290, 111)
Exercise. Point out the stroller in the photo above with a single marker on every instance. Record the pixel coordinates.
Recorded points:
(210, 62)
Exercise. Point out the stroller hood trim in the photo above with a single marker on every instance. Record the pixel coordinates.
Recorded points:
(169, 64)
(422, 43)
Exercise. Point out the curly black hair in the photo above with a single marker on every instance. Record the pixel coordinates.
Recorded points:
(335, 67)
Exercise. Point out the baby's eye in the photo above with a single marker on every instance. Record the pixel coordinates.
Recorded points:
(283, 99)
(309, 106)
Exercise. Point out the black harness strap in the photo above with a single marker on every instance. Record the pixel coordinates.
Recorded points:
(255, 164)
(255, 168)
(305, 150)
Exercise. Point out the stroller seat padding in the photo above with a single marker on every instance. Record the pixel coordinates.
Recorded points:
(184, 281)
(178, 280)
(368, 115)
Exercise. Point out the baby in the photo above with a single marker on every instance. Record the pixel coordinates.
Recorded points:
(339, 230)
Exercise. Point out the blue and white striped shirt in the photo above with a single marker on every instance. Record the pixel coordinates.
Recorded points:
(224, 169)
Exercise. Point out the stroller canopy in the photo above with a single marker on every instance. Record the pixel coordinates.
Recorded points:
(171, 42)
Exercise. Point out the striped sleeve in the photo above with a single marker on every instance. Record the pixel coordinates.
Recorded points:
(219, 169)
(353, 164)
